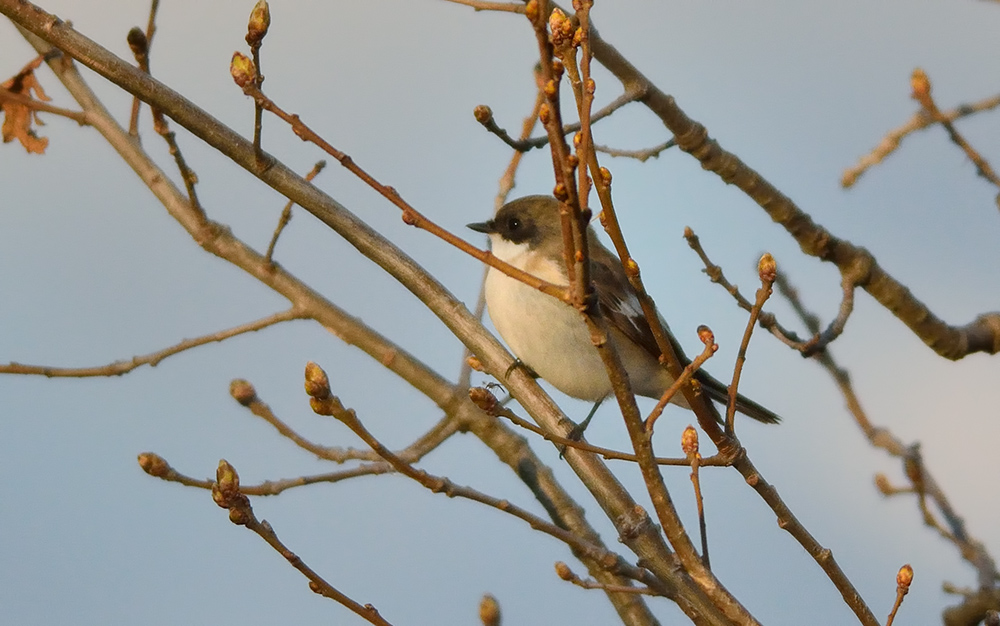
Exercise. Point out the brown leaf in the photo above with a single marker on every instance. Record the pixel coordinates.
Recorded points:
(18, 117)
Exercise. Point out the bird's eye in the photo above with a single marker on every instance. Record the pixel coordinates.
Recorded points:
(513, 224)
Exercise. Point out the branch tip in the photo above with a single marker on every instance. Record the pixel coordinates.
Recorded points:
(242, 391)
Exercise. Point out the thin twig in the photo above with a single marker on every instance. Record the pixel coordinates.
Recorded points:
(410, 215)
(705, 333)
(156, 466)
(489, 404)
(484, 5)
(79, 117)
(484, 115)
(564, 572)
(146, 43)
(918, 121)
(642, 155)
(689, 444)
(324, 403)
(138, 42)
(768, 320)
(227, 494)
(153, 359)
(768, 272)
(971, 549)
(257, 27)
(903, 580)
(922, 93)
(244, 392)
(286, 213)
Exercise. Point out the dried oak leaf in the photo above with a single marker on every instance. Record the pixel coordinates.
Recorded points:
(18, 117)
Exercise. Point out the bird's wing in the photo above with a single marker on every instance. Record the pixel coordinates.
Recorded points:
(620, 305)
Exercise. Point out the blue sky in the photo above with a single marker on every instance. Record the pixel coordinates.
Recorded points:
(94, 270)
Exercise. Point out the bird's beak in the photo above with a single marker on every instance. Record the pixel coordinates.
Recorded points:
(482, 227)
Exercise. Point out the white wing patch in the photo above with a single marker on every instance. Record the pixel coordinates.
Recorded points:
(629, 309)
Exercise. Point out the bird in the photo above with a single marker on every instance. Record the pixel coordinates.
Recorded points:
(550, 337)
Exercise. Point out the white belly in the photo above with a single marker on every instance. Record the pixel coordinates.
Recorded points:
(549, 336)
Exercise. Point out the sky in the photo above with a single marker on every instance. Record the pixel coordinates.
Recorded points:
(94, 270)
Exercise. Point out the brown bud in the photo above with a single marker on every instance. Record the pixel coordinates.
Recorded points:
(556, 21)
(317, 383)
(563, 571)
(605, 177)
(483, 113)
(242, 69)
(688, 233)
(578, 37)
(474, 363)
(154, 464)
(883, 485)
(920, 84)
(239, 516)
(544, 113)
(572, 160)
(260, 21)
(489, 611)
(227, 479)
(321, 406)
(559, 191)
(577, 139)
(483, 399)
(689, 441)
(531, 10)
(557, 68)
(137, 42)
(242, 391)
(591, 86)
(903, 579)
(631, 267)
(219, 497)
(705, 334)
(767, 268)
(551, 89)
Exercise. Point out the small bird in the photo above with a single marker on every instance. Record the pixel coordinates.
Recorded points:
(551, 338)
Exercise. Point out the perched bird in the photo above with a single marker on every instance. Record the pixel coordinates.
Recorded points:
(550, 337)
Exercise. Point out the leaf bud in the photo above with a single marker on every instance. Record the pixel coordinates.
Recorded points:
(317, 384)
(242, 69)
(242, 391)
(260, 21)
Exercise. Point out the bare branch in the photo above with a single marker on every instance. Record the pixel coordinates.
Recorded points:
(484, 115)
(323, 403)
(919, 121)
(245, 393)
(37, 105)
(153, 359)
(156, 466)
(922, 93)
(286, 213)
(226, 493)
(488, 403)
(484, 5)
(768, 272)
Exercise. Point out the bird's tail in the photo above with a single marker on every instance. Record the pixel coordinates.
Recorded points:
(717, 391)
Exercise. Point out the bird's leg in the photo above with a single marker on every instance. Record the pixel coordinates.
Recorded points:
(577, 432)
